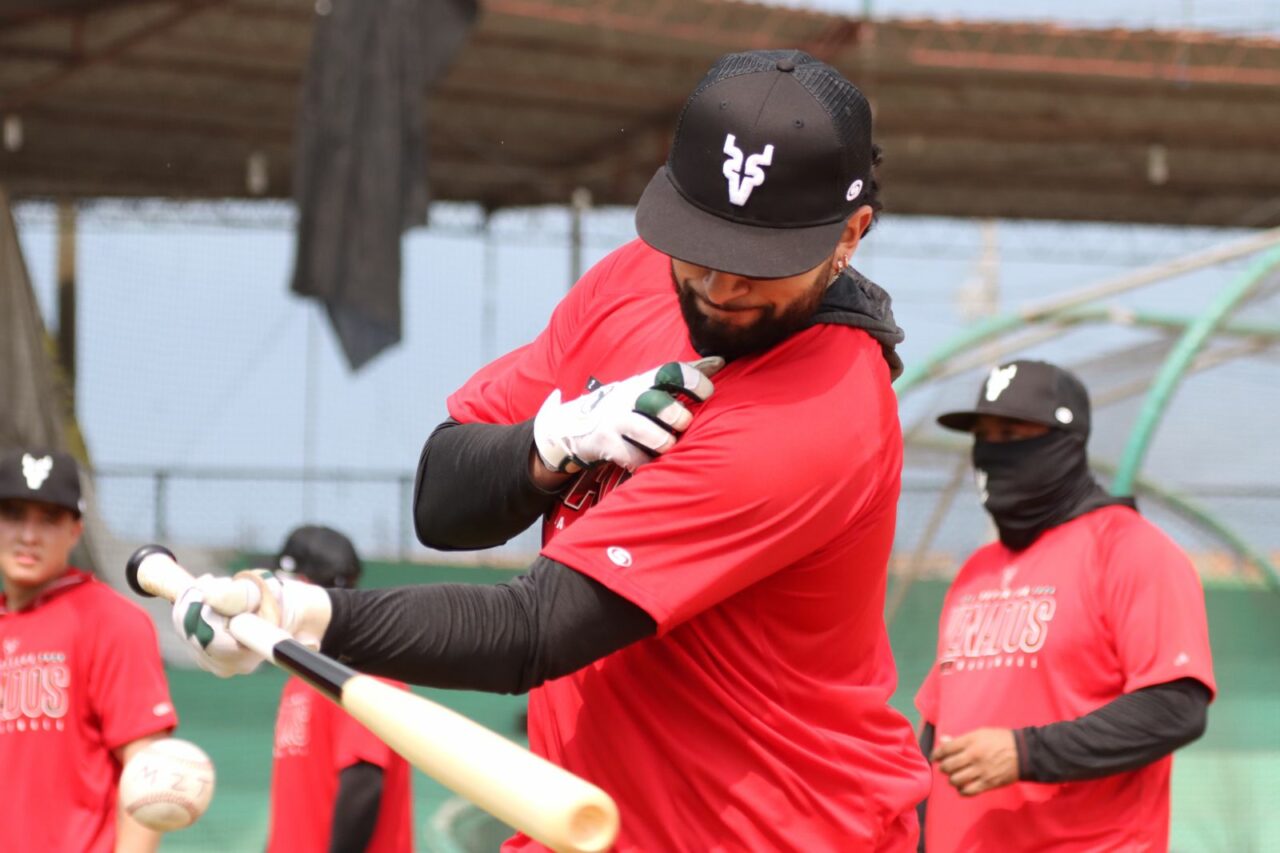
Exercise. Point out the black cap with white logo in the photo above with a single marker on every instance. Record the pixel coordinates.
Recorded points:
(46, 476)
(1035, 391)
(322, 555)
(771, 156)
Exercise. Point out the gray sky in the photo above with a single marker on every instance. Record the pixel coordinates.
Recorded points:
(1253, 17)
(193, 353)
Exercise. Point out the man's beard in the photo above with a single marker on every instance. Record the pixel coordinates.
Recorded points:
(713, 337)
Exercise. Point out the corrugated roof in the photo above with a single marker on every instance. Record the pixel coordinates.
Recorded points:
(170, 99)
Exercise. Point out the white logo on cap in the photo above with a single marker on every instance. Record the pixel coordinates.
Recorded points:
(855, 190)
(743, 180)
(36, 470)
(619, 556)
(999, 380)
(1064, 415)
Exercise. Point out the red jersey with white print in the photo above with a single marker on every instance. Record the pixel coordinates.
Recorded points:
(757, 718)
(315, 741)
(80, 676)
(1102, 605)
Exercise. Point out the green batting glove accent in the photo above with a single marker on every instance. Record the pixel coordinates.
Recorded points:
(653, 401)
(197, 627)
(670, 374)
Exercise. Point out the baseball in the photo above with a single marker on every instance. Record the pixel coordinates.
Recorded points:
(168, 785)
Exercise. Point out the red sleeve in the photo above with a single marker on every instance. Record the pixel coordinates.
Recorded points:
(753, 485)
(510, 389)
(128, 689)
(1154, 604)
(353, 743)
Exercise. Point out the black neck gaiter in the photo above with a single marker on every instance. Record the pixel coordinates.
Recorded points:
(1034, 484)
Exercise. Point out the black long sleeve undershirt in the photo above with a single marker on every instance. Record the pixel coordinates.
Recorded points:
(473, 488)
(1128, 732)
(355, 810)
(503, 638)
(927, 735)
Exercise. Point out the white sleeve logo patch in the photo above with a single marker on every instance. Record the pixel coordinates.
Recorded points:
(620, 557)
(743, 180)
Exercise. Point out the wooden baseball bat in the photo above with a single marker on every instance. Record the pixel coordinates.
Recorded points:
(545, 802)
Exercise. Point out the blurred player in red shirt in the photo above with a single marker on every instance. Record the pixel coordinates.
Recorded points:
(702, 634)
(1073, 653)
(334, 785)
(82, 687)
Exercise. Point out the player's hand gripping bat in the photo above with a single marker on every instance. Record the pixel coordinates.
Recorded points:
(543, 801)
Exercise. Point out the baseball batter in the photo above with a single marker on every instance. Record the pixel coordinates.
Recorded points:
(334, 785)
(1073, 653)
(81, 683)
(702, 632)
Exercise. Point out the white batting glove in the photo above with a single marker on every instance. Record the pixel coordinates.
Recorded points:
(206, 633)
(627, 422)
(301, 609)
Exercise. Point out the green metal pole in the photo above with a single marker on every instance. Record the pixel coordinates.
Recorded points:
(1211, 523)
(1177, 364)
(977, 334)
(1198, 515)
(1148, 319)
(994, 327)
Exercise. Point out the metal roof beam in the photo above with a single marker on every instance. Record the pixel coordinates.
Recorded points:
(604, 17)
(179, 13)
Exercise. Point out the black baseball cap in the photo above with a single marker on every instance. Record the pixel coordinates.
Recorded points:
(322, 555)
(47, 476)
(771, 156)
(1035, 391)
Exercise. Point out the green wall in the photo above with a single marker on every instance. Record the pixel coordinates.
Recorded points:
(1226, 786)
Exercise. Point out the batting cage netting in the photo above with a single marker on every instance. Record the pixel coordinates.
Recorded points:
(218, 412)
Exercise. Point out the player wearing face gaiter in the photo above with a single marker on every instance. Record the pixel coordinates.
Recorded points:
(1031, 485)
(1073, 654)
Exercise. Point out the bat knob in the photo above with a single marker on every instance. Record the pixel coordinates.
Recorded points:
(135, 562)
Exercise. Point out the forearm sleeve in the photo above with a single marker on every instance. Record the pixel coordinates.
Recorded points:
(504, 638)
(928, 734)
(355, 810)
(473, 488)
(1128, 732)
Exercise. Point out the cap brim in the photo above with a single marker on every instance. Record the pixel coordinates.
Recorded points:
(26, 496)
(676, 227)
(964, 421)
(959, 421)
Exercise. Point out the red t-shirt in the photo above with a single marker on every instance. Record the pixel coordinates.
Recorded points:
(315, 741)
(758, 717)
(80, 676)
(1100, 606)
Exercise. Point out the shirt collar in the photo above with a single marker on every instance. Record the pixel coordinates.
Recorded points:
(73, 578)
